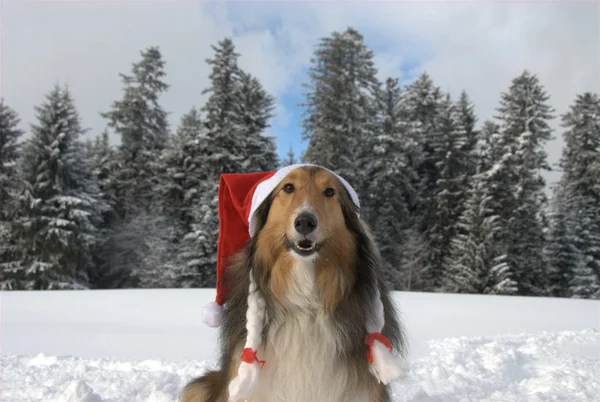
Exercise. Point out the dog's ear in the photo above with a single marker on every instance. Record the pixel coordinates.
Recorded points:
(350, 212)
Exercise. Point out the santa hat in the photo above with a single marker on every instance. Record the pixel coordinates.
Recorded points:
(240, 195)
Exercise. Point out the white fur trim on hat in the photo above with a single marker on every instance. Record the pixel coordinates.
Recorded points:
(266, 187)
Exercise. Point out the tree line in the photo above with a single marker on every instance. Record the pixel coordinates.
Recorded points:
(455, 205)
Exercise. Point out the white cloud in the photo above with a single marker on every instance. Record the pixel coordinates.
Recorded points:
(476, 46)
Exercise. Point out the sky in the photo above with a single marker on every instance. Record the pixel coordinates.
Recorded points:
(478, 46)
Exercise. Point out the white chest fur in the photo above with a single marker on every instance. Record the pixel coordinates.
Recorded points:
(301, 352)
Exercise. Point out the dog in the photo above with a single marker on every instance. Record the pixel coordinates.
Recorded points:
(316, 266)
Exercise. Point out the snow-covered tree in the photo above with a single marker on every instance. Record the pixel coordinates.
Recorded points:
(225, 142)
(142, 247)
(486, 152)
(236, 115)
(468, 120)
(473, 265)
(447, 142)
(184, 181)
(577, 226)
(60, 207)
(256, 107)
(388, 189)
(516, 182)
(421, 108)
(291, 158)
(103, 161)
(414, 260)
(561, 251)
(10, 134)
(340, 103)
(142, 125)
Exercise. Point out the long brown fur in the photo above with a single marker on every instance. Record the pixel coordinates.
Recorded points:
(347, 274)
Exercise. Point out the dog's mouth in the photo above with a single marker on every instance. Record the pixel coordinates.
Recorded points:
(304, 247)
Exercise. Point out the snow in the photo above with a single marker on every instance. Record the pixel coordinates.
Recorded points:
(144, 345)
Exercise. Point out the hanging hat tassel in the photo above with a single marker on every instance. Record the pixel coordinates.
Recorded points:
(243, 384)
(384, 364)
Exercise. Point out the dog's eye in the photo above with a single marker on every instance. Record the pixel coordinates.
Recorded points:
(288, 188)
(329, 192)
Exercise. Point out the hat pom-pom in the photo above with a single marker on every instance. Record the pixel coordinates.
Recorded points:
(385, 365)
(213, 314)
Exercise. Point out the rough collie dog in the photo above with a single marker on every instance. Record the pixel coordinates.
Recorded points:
(308, 317)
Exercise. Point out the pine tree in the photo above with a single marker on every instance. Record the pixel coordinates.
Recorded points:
(143, 127)
(291, 158)
(60, 208)
(486, 150)
(256, 110)
(225, 142)
(103, 162)
(468, 119)
(516, 181)
(473, 265)
(580, 195)
(447, 143)
(236, 114)
(10, 134)
(183, 174)
(389, 186)
(340, 104)
(562, 253)
(421, 109)
(9, 153)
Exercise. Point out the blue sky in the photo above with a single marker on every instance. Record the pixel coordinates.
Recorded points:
(475, 46)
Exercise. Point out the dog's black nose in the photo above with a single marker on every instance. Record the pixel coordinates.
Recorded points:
(305, 223)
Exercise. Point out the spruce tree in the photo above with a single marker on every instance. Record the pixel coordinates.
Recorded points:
(291, 158)
(562, 253)
(340, 104)
(183, 174)
(473, 264)
(447, 143)
(60, 208)
(10, 134)
(388, 189)
(142, 124)
(486, 150)
(516, 181)
(421, 109)
(256, 107)
(235, 116)
(225, 142)
(103, 161)
(580, 192)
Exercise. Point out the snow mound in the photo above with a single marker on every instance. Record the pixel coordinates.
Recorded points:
(522, 367)
(79, 391)
(525, 367)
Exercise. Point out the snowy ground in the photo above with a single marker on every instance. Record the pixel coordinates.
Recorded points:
(143, 345)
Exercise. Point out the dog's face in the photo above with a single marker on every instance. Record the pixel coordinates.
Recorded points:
(307, 221)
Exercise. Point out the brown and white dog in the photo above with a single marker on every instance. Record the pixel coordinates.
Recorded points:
(317, 270)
